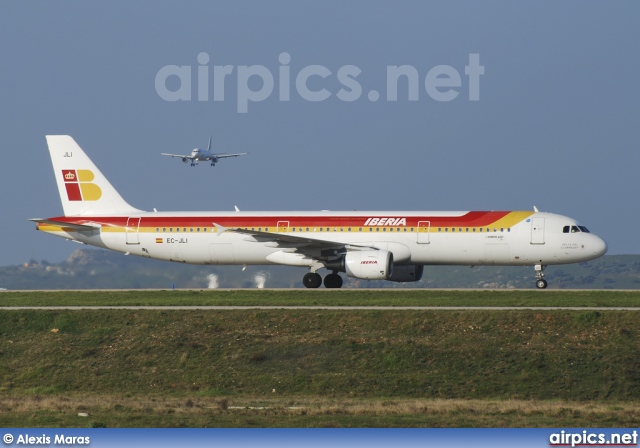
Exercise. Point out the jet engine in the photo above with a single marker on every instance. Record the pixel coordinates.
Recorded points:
(407, 273)
(366, 264)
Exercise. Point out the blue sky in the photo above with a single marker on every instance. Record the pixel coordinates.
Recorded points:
(555, 125)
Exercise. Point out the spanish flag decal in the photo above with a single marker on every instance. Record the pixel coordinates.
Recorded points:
(158, 240)
(79, 186)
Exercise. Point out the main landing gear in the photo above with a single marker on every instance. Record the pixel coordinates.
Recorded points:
(314, 280)
(541, 283)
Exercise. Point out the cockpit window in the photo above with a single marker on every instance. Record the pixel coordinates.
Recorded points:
(574, 229)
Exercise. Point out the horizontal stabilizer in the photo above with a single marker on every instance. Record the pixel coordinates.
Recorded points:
(77, 227)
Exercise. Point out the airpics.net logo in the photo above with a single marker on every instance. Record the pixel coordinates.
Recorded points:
(256, 83)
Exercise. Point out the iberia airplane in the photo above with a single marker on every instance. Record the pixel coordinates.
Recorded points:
(387, 245)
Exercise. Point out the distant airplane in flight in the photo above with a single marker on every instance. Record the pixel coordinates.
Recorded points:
(200, 155)
(373, 245)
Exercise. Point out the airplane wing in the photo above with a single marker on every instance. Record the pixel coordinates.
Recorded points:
(300, 243)
(222, 156)
(178, 155)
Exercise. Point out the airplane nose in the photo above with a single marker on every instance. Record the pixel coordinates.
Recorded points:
(600, 247)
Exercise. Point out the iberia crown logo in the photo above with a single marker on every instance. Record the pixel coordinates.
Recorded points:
(79, 185)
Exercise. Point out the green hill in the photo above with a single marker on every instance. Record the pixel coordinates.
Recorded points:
(91, 268)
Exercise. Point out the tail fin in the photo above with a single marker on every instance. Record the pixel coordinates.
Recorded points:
(83, 188)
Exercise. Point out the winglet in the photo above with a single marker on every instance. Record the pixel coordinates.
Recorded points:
(535, 209)
(220, 229)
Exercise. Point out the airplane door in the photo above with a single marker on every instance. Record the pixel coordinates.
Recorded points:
(423, 232)
(283, 226)
(131, 231)
(537, 231)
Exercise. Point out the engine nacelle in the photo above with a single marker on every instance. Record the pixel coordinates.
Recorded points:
(369, 264)
(407, 273)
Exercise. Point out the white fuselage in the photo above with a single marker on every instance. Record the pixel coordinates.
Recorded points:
(194, 238)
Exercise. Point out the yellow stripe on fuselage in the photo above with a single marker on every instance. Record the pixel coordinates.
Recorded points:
(511, 219)
(506, 222)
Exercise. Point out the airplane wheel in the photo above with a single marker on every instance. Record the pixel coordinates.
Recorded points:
(541, 284)
(312, 280)
(333, 281)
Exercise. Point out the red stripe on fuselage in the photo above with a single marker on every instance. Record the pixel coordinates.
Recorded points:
(470, 219)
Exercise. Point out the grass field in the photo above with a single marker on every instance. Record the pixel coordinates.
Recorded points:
(328, 368)
(346, 297)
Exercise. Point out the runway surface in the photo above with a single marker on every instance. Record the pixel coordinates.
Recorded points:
(325, 308)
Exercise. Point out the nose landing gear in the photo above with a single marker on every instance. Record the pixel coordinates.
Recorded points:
(541, 283)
